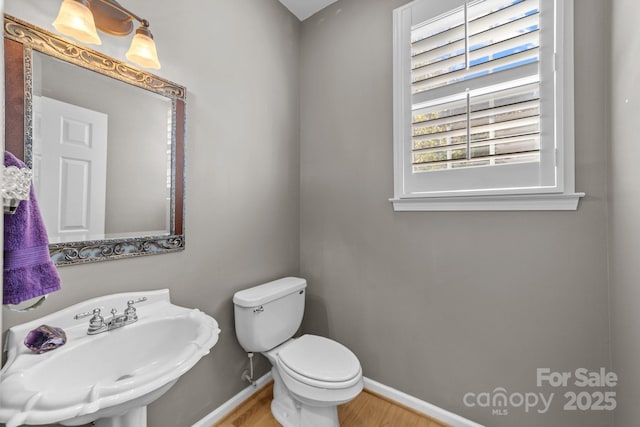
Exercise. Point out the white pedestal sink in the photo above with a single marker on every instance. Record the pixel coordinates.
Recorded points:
(109, 378)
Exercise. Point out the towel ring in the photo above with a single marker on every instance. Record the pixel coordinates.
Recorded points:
(31, 307)
(16, 185)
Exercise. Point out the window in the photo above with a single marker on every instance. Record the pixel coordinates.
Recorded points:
(483, 105)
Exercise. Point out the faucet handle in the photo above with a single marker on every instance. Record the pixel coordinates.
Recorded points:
(96, 322)
(95, 312)
(131, 302)
(130, 311)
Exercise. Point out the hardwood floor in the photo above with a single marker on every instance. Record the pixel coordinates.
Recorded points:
(366, 410)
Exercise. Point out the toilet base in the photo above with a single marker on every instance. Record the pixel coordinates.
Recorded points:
(291, 413)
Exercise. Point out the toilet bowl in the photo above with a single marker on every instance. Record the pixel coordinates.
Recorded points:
(312, 374)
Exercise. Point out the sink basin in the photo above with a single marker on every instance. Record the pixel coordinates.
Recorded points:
(109, 377)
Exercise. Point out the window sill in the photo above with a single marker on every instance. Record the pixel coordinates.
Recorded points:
(529, 202)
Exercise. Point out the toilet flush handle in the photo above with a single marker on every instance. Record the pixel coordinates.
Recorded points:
(258, 309)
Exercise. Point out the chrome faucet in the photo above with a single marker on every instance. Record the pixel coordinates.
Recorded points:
(98, 324)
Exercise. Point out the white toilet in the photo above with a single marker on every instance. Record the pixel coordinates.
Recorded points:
(312, 374)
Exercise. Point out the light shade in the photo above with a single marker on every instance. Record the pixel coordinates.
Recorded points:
(76, 20)
(143, 49)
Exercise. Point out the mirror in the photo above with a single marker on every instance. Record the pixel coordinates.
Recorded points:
(106, 143)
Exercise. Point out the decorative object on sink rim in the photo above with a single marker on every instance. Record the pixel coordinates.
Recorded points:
(45, 338)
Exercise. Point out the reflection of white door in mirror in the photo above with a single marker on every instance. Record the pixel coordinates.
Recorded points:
(70, 169)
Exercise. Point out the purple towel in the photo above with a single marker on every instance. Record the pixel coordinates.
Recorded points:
(28, 269)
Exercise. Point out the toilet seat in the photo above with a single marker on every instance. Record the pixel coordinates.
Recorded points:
(319, 362)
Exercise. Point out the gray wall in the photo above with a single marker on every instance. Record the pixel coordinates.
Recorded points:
(624, 204)
(441, 304)
(239, 62)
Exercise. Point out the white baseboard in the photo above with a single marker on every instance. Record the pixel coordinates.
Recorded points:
(418, 405)
(390, 393)
(227, 407)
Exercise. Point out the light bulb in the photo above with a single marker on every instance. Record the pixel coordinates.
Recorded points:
(143, 49)
(76, 20)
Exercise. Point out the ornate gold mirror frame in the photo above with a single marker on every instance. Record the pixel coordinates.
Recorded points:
(20, 40)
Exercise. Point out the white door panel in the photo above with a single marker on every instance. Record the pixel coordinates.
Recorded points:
(70, 165)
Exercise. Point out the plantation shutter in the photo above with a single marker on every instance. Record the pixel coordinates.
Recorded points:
(494, 125)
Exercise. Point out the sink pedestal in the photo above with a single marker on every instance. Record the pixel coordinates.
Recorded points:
(136, 417)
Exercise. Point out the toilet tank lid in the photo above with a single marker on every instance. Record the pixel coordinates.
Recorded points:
(267, 292)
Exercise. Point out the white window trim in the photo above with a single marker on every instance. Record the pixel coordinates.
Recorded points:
(562, 197)
(517, 202)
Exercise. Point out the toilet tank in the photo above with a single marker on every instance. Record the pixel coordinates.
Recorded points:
(267, 315)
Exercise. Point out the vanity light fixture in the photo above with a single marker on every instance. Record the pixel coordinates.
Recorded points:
(80, 19)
